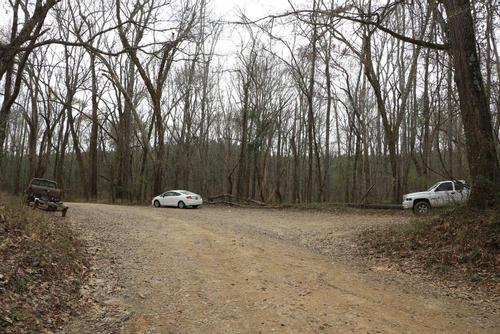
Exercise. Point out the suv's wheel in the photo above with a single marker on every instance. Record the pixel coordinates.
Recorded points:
(422, 208)
(181, 205)
(157, 204)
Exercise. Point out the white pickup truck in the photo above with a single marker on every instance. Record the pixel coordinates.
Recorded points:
(443, 193)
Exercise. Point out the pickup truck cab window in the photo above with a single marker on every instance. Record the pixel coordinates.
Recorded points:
(44, 183)
(445, 186)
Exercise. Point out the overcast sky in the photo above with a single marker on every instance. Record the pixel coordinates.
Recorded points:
(233, 36)
(229, 9)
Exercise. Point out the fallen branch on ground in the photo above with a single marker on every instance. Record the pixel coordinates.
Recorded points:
(236, 198)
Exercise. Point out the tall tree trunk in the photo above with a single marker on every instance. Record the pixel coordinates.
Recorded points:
(390, 135)
(310, 112)
(476, 117)
(93, 132)
(20, 161)
(426, 114)
(278, 173)
(33, 131)
(326, 168)
(160, 146)
(77, 149)
(124, 191)
(242, 176)
(59, 167)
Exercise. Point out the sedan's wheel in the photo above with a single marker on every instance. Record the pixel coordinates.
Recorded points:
(422, 208)
(181, 205)
(157, 204)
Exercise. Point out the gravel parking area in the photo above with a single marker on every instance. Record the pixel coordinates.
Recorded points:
(234, 270)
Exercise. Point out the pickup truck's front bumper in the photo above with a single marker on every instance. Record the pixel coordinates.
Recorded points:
(407, 205)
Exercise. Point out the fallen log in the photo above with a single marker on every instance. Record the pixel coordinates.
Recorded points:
(375, 206)
(241, 205)
(212, 198)
(228, 203)
(236, 198)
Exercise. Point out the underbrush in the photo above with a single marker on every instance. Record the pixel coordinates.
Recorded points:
(460, 246)
(41, 269)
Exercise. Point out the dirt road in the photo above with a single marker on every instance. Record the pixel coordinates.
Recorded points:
(225, 270)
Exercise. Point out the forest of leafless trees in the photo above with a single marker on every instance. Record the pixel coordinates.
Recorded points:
(325, 101)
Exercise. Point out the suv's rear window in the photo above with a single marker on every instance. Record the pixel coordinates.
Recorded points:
(44, 183)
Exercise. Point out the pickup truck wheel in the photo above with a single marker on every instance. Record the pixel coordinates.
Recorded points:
(422, 208)
(157, 204)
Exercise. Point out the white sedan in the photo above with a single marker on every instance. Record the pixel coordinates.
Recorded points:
(177, 198)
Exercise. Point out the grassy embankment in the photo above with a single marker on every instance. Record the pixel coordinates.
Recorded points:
(460, 246)
(41, 268)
